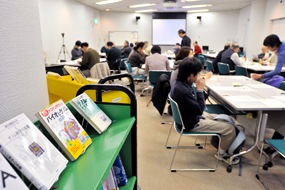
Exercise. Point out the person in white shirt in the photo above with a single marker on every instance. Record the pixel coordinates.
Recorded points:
(231, 57)
(156, 61)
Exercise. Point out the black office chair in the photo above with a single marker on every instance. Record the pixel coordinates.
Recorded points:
(116, 67)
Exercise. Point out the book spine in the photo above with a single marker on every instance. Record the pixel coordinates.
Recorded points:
(55, 138)
(114, 178)
(110, 181)
(105, 185)
(22, 168)
(120, 172)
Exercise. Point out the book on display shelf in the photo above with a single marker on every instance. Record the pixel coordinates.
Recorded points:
(22, 143)
(111, 180)
(9, 178)
(65, 129)
(91, 112)
(120, 173)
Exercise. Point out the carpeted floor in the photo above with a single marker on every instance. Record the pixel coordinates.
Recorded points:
(154, 159)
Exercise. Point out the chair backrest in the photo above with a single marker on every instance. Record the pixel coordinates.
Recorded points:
(205, 57)
(122, 64)
(241, 70)
(154, 75)
(175, 111)
(223, 68)
(196, 55)
(202, 59)
(210, 66)
(242, 54)
(128, 67)
(282, 85)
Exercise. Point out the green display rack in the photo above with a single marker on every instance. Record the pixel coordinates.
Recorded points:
(90, 170)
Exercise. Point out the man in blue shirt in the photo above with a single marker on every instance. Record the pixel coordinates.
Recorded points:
(274, 44)
(192, 110)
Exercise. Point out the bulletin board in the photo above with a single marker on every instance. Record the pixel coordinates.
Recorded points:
(118, 37)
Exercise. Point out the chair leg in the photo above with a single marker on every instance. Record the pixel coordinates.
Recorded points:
(168, 147)
(175, 152)
(258, 167)
(162, 122)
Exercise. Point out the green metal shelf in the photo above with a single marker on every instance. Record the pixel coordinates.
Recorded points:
(90, 170)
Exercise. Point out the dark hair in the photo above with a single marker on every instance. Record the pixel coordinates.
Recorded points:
(84, 44)
(77, 43)
(272, 41)
(110, 43)
(196, 42)
(127, 42)
(139, 45)
(189, 65)
(227, 46)
(131, 44)
(177, 44)
(155, 49)
(181, 31)
(182, 53)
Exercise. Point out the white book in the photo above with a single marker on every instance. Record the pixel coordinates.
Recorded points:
(91, 112)
(65, 129)
(111, 180)
(22, 143)
(9, 178)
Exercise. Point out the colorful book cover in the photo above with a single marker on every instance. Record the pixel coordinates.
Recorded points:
(65, 129)
(9, 178)
(91, 112)
(120, 173)
(22, 143)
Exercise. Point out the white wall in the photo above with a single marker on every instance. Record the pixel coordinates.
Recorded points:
(215, 30)
(22, 70)
(70, 17)
(274, 10)
(121, 21)
(243, 26)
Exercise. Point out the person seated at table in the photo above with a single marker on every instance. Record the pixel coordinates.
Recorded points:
(131, 45)
(113, 55)
(182, 53)
(156, 61)
(76, 52)
(126, 50)
(104, 49)
(262, 56)
(218, 58)
(145, 49)
(176, 48)
(231, 57)
(274, 44)
(197, 48)
(272, 60)
(89, 59)
(137, 58)
(192, 110)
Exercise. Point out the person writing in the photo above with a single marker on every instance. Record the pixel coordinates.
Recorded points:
(76, 52)
(274, 44)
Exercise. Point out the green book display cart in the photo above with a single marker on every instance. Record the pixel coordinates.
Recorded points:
(90, 170)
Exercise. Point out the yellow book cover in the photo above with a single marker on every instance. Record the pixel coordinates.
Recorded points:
(65, 129)
(76, 74)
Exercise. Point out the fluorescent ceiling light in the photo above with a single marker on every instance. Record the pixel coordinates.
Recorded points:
(192, 0)
(200, 10)
(142, 5)
(196, 6)
(147, 10)
(107, 9)
(107, 2)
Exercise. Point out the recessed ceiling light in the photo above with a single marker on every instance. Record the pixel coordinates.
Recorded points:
(107, 9)
(147, 10)
(200, 10)
(107, 2)
(142, 5)
(196, 6)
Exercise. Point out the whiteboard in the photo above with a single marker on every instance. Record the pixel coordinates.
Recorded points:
(278, 28)
(118, 37)
(165, 31)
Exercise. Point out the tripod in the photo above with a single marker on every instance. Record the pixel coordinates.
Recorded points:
(63, 49)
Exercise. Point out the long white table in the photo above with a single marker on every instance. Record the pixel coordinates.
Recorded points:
(256, 67)
(242, 95)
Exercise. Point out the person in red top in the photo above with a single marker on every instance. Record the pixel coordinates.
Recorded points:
(197, 49)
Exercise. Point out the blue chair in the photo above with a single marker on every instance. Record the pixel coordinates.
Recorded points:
(201, 58)
(137, 78)
(153, 77)
(123, 65)
(209, 65)
(241, 70)
(178, 121)
(282, 86)
(242, 54)
(196, 55)
(224, 69)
